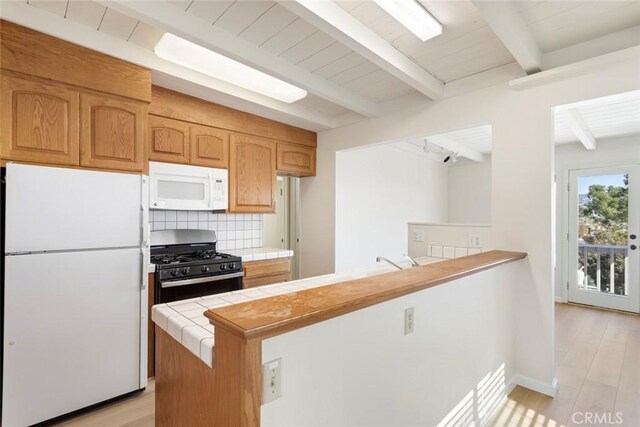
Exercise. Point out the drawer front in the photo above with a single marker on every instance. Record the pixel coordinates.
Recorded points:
(265, 280)
(268, 267)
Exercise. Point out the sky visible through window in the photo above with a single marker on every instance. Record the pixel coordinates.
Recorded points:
(585, 181)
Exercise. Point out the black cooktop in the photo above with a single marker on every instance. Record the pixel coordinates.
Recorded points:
(204, 255)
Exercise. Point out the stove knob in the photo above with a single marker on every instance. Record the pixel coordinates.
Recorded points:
(205, 268)
(232, 265)
(223, 266)
(185, 270)
(174, 272)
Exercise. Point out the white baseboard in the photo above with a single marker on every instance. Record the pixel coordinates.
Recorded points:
(560, 299)
(535, 385)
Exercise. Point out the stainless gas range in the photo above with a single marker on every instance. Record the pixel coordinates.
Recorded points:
(188, 265)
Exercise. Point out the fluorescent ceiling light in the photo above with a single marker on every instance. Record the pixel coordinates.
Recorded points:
(413, 16)
(190, 55)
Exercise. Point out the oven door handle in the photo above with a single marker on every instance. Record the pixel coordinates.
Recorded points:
(200, 280)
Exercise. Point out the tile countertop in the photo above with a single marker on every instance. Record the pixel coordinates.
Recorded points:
(251, 254)
(185, 322)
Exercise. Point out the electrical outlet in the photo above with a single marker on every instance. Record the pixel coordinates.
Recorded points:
(474, 241)
(271, 380)
(418, 236)
(409, 321)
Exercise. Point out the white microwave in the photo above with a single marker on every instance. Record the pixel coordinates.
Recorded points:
(183, 187)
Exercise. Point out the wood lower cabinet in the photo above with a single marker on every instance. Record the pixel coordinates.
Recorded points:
(209, 147)
(252, 174)
(296, 160)
(266, 272)
(112, 132)
(38, 122)
(169, 140)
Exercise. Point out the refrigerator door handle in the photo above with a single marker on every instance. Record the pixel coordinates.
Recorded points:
(144, 280)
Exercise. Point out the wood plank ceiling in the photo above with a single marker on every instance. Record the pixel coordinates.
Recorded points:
(468, 45)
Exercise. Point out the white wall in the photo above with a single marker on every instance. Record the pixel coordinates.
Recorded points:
(522, 183)
(378, 190)
(470, 193)
(612, 152)
(361, 370)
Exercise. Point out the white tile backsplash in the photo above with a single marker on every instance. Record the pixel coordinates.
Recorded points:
(234, 231)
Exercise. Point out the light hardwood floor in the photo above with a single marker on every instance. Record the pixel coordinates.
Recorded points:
(134, 411)
(598, 356)
(598, 371)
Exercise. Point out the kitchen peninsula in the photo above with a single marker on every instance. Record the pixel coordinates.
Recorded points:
(200, 384)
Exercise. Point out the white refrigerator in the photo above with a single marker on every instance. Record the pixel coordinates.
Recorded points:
(75, 298)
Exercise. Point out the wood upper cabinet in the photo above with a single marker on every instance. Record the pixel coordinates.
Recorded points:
(297, 160)
(169, 140)
(112, 132)
(209, 147)
(252, 174)
(38, 122)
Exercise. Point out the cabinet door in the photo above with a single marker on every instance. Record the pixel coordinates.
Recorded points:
(111, 132)
(169, 140)
(252, 174)
(209, 147)
(38, 122)
(296, 160)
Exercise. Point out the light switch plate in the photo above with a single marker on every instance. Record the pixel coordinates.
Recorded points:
(409, 321)
(271, 380)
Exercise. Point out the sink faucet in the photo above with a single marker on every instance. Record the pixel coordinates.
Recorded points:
(381, 258)
(413, 262)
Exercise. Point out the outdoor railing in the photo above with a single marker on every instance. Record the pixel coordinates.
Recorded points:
(608, 276)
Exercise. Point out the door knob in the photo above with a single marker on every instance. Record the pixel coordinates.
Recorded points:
(632, 236)
(633, 247)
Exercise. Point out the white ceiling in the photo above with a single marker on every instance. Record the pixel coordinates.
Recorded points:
(605, 118)
(344, 81)
(466, 47)
(558, 24)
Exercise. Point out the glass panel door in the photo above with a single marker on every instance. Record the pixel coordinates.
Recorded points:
(603, 238)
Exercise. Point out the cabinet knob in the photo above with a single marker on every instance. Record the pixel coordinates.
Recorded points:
(633, 237)
(633, 247)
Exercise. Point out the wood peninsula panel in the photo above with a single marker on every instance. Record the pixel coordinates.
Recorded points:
(190, 393)
(38, 122)
(172, 104)
(296, 160)
(27, 51)
(111, 132)
(168, 140)
(209, 147)
(273, 316)
(252, 174)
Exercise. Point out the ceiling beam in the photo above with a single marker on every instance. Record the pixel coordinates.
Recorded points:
(580, 128)
(457, 148)
(169, 18)
(342, 26)
(171, 75)
(505, 20)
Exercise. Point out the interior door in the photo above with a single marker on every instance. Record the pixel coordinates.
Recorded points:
(604, 228)
(71, 332)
